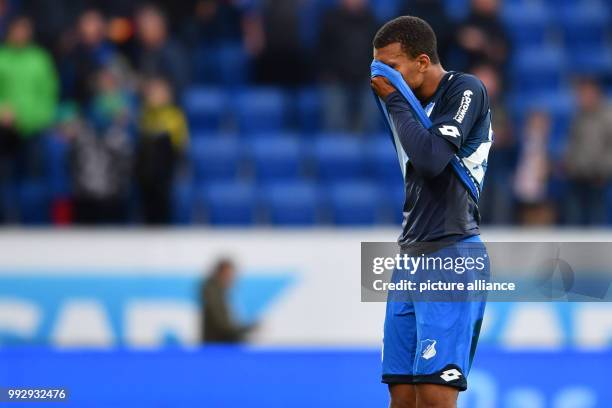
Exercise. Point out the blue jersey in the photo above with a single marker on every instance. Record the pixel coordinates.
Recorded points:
(442, 207)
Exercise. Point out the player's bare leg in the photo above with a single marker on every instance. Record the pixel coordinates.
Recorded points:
(403, 396)
(436, 396)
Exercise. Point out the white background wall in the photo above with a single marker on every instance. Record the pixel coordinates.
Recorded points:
(322, 308)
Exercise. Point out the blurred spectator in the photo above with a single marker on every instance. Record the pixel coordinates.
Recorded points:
(215, 22)
(111, 103)
(163, 139)
(497, 199)
(100, 155)
(28, 92)
(533, 171)
(50, 18)
(219, 325)
(157, 54)
(91, 52)
(5, 16)
(434, 12)
(280, 56)
(345, 53)
(481, 38)
(588, 158)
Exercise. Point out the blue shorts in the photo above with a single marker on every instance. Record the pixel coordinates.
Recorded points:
(433, 342)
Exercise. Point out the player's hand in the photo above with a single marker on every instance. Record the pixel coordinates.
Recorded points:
(382, 87)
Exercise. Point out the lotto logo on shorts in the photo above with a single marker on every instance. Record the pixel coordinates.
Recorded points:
(451, 375)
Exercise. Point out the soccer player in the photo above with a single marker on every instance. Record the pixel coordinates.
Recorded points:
(428, 346)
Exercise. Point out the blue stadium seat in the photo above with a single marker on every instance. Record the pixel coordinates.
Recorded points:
(309, 110)
(229, 203)
(233, 65)
(585, 25)
(182, 202)
(34, 202)
(292, 203)
(339, 157)
(309, 19)
(382, 160)
(386, 9)
(216, 159)
(457, 9)
(276, 159)
(593, 61)
(558, 104)
(261, 110)
(527, 24)
(556, 4)
(211, 134)
(271, 135)
(537, 69)
(224, 64)
(56, 165)
(206, 108)
(355, 203)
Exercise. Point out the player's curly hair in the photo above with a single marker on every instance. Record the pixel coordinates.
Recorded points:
(413, 33)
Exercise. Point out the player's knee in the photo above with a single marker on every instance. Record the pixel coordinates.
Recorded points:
(435, 396)
(402, 402)
(402, 396)
(435, 404)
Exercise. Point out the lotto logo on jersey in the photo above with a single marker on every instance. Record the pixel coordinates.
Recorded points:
(448, 130)
(466, 100)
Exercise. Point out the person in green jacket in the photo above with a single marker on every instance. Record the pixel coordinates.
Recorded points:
(28, 84)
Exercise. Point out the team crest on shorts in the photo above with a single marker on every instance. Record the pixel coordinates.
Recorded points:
(429, 349)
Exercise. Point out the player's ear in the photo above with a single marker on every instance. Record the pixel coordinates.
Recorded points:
(423, 62)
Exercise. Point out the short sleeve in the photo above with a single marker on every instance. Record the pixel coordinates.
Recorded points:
(461, 108)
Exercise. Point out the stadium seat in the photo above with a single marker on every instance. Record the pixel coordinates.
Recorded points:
(215, 159)
(593, 61)
(457, 9)
(292, 203)
(355, 203)
(233, 65)
(211, 134)
(537, 69)
(34, 203)
(386, 9)
(224, 64)
(339, 157)
(271, 135)
(276, 158)
(260, 110)
(584, 25)
(308, 110)
(182, 203)
(382, 160)
(558, 104)
(229, 203)
(56, 165)
(527, 24)
(206, 108)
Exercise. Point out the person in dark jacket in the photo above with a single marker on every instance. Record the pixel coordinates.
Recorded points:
(219, 324)
(482, 38)
(343, 52)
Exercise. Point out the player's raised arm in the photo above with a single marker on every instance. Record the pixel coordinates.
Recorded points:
(428, 154)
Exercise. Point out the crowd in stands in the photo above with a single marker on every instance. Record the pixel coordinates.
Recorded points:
(259, 111)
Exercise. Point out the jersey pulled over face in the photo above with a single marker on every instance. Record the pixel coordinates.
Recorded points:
(441, 208)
